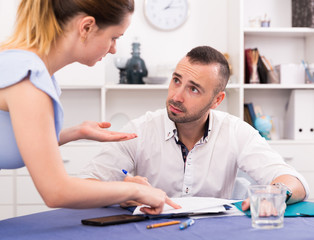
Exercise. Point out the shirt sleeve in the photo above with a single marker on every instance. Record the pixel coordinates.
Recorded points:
(259, 160)
(113, 157)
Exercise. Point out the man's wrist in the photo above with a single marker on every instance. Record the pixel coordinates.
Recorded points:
(288, 193)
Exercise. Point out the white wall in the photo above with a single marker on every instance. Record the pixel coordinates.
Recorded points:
(7, 17)
(206, 25)
(259, 8)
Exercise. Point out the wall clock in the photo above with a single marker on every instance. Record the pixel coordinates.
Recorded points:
(166, 15)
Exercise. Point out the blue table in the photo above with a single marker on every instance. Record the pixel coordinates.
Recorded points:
(66, 224)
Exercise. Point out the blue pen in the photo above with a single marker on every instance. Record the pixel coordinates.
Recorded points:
(186, 224)
(125, 172)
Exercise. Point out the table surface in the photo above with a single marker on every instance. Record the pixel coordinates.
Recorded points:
(66, 224)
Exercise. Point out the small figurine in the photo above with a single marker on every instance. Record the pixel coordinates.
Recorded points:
(135, 67)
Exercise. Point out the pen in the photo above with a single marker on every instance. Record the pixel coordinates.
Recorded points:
(162, 224)
(125, 172)
(186, 224)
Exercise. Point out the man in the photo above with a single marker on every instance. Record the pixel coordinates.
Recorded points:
(189, 149)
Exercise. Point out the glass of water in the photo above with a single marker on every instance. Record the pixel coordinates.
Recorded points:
(267, 205)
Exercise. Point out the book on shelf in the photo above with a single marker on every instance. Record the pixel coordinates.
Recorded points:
(247, 116)
(257, 67)
(251, 65)
(262, 70)
(271, 72)
(248, 65)
(251, 116)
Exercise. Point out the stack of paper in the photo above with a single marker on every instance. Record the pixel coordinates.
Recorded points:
(196, 205)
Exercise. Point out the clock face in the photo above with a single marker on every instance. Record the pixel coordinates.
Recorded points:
(166, 14)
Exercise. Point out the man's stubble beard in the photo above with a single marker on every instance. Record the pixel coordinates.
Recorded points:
(186, 118)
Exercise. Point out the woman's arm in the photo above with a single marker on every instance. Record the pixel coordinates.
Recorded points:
(32, 117)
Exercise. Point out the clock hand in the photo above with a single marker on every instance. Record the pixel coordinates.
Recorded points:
(172, 7)
(169, 5)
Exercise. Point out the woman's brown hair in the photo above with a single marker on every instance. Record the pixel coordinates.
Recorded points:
(40, 22)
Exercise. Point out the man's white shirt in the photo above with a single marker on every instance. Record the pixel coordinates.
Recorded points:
(211, 166)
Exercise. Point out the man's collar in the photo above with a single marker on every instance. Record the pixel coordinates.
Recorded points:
(208, 127)
(171, 130)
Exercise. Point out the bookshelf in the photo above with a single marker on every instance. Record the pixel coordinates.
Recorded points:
(281, 44)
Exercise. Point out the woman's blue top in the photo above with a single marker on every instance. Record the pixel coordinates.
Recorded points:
(15, 65)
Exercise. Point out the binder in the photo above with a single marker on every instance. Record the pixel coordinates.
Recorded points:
(299, 119)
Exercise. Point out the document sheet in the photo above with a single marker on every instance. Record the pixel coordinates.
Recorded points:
(194, 205)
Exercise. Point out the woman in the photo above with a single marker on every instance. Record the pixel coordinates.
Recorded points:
(48, 36)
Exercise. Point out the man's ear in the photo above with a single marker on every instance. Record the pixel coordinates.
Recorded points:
(86, 26)
(218, 99)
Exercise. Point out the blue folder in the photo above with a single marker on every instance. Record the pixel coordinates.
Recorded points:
(300, 209)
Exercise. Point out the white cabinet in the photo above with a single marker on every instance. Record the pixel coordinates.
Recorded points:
(299, 155)
(7, 189)
(26, 191)
(7, 197)
(7, 211)
(19, 195)
(76, 155)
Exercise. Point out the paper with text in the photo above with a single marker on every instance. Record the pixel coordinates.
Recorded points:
(194, 204)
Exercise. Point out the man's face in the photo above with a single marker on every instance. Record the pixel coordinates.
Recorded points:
(191, 91)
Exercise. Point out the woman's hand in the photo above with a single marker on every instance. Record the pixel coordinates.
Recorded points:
(153, 209)
(136, 179)
(158, 209)
(96, 131)
(92, 130)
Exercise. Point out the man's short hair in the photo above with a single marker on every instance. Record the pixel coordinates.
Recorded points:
(207, 55)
